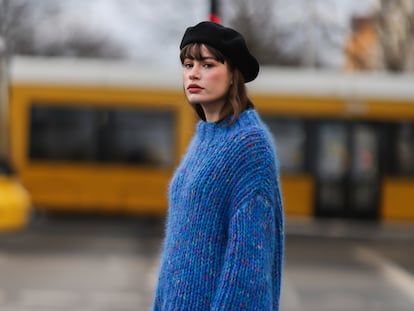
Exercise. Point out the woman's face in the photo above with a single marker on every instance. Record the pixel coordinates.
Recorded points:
(206, 81)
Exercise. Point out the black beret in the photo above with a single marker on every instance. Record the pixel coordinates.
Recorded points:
(227, 41)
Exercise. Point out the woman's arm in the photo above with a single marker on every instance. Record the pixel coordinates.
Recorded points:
(250, 278)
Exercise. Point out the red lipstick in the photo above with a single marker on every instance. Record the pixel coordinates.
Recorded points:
(194, 88)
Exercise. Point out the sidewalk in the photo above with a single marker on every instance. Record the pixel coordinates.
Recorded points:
(349, 229)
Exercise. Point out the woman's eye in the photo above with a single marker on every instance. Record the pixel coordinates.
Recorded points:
(208, 65)
(187, 65)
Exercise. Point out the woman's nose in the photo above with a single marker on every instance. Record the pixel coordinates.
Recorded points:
(194, 73)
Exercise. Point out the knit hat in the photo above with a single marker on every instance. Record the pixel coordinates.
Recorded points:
(227, 41)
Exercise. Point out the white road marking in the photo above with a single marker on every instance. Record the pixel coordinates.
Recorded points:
(396, 275)
(48, 298)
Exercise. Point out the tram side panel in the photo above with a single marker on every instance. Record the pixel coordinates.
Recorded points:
(398, 186)
(354, 165)
(310, 131)
(111, 152)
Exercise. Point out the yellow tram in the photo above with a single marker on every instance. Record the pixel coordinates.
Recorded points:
(101, 136)
(14, 199)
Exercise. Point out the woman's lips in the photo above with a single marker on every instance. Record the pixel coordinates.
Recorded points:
(194, 88)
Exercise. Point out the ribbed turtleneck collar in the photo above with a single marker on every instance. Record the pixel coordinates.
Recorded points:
(212, 130)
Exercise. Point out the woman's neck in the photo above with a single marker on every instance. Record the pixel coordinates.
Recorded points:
(215, 112)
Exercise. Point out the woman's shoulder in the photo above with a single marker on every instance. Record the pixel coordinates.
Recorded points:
(250, 127)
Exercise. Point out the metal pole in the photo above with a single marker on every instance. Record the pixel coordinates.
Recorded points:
(4, 87)
(214, 12)
(4, 104)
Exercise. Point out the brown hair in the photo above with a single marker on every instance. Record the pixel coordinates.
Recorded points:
(237, 100)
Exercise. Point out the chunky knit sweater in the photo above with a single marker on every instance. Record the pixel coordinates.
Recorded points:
(223, 247)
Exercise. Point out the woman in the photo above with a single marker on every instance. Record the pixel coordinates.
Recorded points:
(223, 247)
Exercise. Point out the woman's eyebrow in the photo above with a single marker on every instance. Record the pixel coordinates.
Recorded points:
(207, 57)
(201, 58)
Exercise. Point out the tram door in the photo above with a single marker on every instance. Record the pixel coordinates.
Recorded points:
(346, 163)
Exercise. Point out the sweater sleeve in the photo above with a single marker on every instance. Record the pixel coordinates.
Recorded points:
(246, 278)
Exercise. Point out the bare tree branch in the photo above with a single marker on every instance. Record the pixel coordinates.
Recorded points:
(395, 25)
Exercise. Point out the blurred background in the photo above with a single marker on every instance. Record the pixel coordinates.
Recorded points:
(93, 122)
(330, 34)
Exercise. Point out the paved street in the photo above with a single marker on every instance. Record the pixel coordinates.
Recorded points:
(80, 264)
(68, 264)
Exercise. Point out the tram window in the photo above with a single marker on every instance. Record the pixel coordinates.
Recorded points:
(138, 136)
(365, 153)
(290, 136)
(363, 196)
(331, 197)
(404, 149)
(332, 156)
(87, 134)
(63, 133)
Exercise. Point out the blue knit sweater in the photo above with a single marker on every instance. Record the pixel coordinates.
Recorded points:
(223, 247)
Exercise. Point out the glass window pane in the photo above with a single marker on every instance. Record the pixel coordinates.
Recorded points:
(332, 153)
(138, 136)
(63, 133)
(365, 153)
(405, 148)
(122, 135)
(331, 197)
(290, 136)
